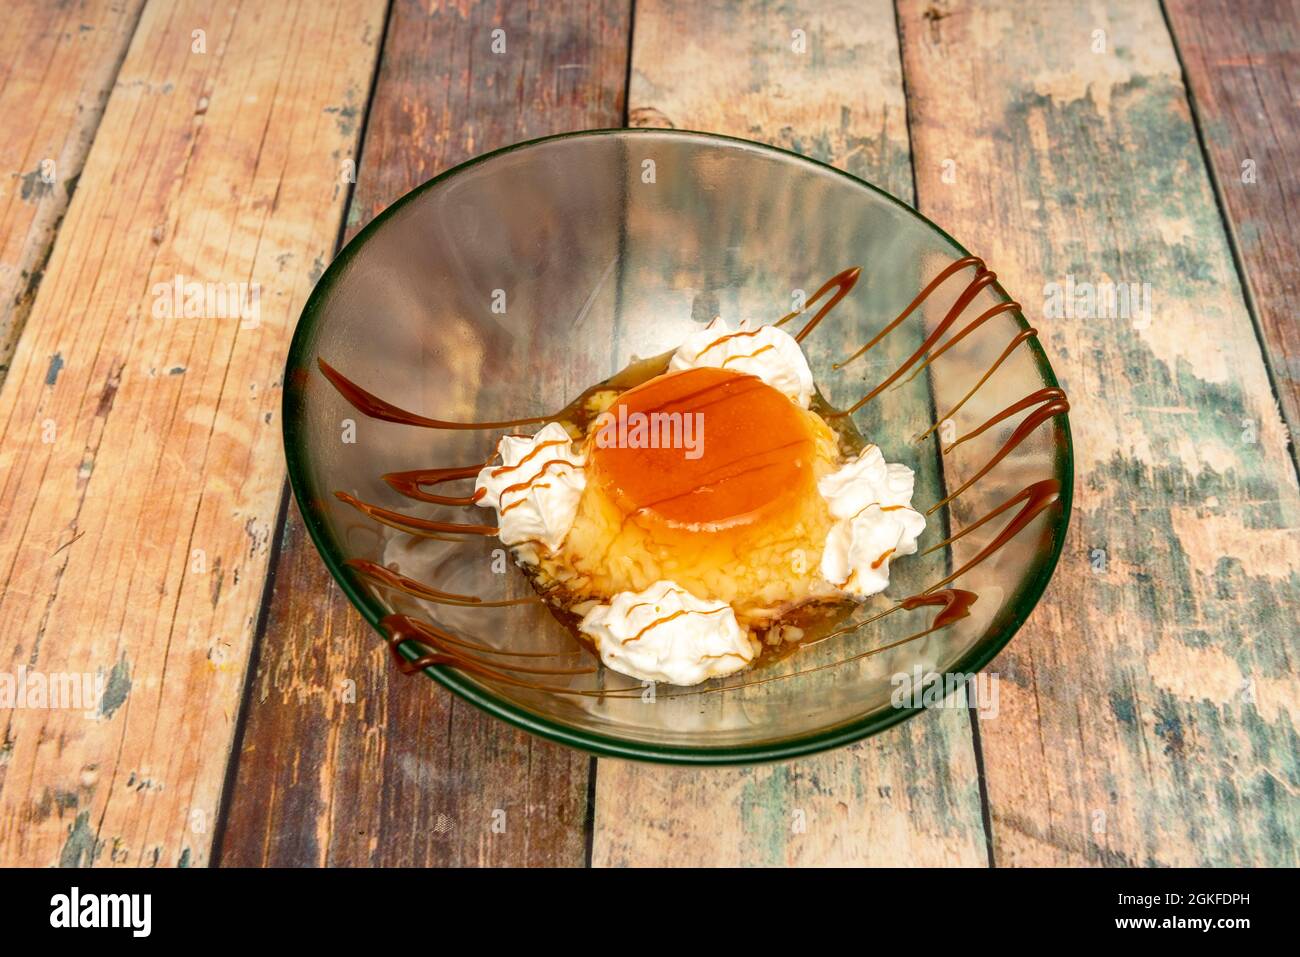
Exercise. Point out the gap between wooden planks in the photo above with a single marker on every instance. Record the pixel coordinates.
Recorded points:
(1242, 61)
(405, 774)
(910, 795)
(140, 455)
(1148, 708)
(57, 65)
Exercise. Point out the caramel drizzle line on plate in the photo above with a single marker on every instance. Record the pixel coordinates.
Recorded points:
(1029, 401)
(429, 527)
(1019, 337)
(411, 484)
(956, 602)
(1053, 402)
(981, 279)
(841, 282)
(1036, 497)
(370, 404)
(446, 649)
(951, 269)
(418, 589)
(424, 527)
(970, 327)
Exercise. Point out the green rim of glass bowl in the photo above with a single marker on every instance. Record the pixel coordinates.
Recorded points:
(483, 697)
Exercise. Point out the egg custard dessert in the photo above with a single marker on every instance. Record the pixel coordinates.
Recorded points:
(700, 507)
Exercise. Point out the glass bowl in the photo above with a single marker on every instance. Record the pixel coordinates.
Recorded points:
(506, 286)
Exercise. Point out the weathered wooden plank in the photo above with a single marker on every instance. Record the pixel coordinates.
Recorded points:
(57, 65)
(1148, 709)
(1242, 61)
(408, 774)
(139, 438)
(909, 796)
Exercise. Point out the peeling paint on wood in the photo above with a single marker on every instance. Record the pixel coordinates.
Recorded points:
(1147, 707)
(1243, 64)
(406, 774)
(63, 57)
(160, 475)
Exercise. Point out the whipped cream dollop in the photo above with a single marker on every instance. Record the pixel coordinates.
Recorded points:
(665, 633)
(872, 502)
(766, 352)
(535, 488)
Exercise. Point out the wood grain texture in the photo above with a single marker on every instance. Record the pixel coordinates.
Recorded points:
(1149, 707)
(910, 795)
(57, 65)
(139, 441)
(408, 774)
(1242, 62)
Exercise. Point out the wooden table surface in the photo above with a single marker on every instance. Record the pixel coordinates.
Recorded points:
(1148, 709)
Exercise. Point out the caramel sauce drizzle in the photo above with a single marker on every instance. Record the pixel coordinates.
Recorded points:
(528, 485)
(367, 403)
(726, 473)
(970, 327)
(523, 498)
(883, 508)
(981, 279)
(686, 398)
(446, 649)
(1033, 399)
(411, 484)
(1018, 338)
(667, 618)
(424, 527)
(502, 470)
(749, 355)
(1036, 497)
(841, 282)
(951, 269)
(417, 589)
(1054, 404)
(955, 601)
(744, 333)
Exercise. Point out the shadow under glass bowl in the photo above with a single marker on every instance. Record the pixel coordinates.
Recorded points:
(506, 286)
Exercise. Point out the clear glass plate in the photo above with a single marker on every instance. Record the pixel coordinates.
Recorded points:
(506, 286)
